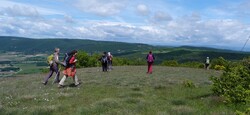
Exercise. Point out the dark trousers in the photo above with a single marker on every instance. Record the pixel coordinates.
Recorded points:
(105, 66)
(206, 66)
(53, 68)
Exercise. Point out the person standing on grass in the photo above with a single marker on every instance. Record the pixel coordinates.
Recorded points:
(150, 60)
(54, 67)
(104, 61)
(207, 63)
(70, 70)
(110, 57)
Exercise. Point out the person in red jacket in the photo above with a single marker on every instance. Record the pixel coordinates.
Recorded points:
(150, 59)
(70, 70)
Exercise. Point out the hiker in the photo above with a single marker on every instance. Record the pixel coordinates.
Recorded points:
(70, 69)
(110, 57)
(207, 63)
(150, 59)
(104, 61)
(54, 67)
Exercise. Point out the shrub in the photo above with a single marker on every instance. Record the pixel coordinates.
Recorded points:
(246, 112)
(193, 64)
(83, 59)
(172, 63)
(219, 67)
(233, 84)
(246, 62)
(86, 60)
(219, 61)
(188, 83)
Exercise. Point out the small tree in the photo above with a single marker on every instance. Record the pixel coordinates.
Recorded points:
(83, 59)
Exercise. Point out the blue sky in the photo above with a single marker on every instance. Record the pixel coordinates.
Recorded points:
(217, 23)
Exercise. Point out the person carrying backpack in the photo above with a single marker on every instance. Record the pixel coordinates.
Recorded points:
(104, 61)
(53, 65)
(70, 69)
(150, 60)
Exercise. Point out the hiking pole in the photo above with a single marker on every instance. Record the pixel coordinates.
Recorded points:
(245, 44)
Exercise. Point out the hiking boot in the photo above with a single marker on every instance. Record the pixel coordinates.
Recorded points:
(77, 84)
(60, 86)
(44, 83)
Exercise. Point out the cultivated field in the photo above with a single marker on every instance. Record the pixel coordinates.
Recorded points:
(126, 90)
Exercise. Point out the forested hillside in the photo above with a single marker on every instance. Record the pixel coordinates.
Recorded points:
(30, 46)
(118, 49)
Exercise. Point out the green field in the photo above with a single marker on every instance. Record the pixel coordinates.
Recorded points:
(126, 90)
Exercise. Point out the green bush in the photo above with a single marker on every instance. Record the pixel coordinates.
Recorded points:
(121, 61)
(246, 112)
(219, 67)
(233, 84)
(219, 61)
(192, 64)
(246, 62)
(188, 83)
(86, 60)
(172, 63)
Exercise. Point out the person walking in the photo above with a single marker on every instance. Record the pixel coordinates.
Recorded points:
(150, 60)
(104, 61)
(110, 57)
(54, 67)
(70, 70)
(207, 62)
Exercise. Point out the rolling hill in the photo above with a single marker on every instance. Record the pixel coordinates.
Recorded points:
(119, 49)
(31, 46)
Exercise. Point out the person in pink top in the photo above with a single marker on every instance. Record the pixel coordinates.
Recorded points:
(70, 70)
(150, 59)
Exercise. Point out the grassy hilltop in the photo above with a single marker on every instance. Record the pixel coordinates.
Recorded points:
(125, 90)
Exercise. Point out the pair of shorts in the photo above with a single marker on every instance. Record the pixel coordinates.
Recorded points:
(69, 71)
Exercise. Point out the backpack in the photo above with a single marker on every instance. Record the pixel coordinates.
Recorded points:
(66, 59)
(110, 57)
(104, 59)
(50, 59)
(150, 58)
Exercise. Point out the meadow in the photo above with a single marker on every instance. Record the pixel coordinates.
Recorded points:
(126, 90)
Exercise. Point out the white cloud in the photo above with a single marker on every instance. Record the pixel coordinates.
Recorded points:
(23, 11)
(68, 19)
(181, 31)
(101, 7)
(142, 10)
(161, 16)
(162, 28)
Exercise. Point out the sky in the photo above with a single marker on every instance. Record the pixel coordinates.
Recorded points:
(208, 23)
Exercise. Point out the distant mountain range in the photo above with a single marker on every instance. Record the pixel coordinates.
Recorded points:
(131, 50)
